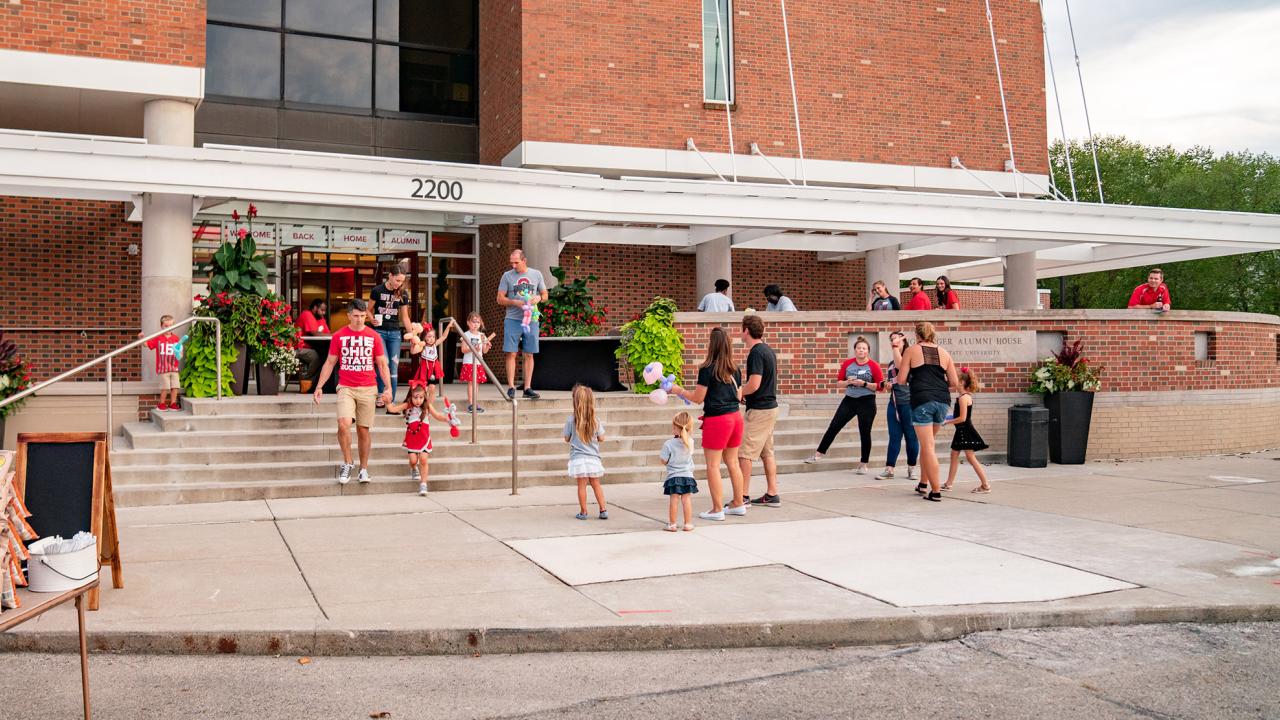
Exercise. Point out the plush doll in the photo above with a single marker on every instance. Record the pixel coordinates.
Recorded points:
(178, 349)
(531, 313)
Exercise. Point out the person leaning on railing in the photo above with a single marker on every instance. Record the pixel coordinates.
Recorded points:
(1153, 294)
(311, 322)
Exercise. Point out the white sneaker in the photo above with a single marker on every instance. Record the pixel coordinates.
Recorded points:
(813, 459)
(344, 473)
(862, 469)
(422, 489)
(363, 477)
(712, 516)
(911, 472)
(740, 510)
(888, 474)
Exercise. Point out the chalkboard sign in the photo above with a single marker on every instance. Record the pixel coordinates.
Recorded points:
(65, 482)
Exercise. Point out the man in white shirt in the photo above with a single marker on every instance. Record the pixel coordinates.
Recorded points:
(717, 301)
(777, 301)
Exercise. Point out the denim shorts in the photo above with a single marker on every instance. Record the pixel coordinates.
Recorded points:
(514, 336)
(930, 413)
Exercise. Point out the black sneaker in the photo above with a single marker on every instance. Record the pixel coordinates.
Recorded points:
(530, 394)
(767, 499)
(511, 393)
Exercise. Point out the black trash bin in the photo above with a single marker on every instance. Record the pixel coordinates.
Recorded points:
(1028, 436)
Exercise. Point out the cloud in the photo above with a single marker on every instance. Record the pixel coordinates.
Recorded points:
(1198, 75)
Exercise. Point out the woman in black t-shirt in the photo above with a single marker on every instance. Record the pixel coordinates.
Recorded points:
(719, 391)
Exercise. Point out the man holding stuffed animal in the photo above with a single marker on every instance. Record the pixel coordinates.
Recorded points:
(520, 286)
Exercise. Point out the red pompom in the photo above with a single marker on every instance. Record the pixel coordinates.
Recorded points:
(453, 431)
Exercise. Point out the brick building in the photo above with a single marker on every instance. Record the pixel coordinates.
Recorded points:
(594, 135)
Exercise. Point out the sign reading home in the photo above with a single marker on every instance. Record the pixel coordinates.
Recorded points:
(982, 346)
(347, 238)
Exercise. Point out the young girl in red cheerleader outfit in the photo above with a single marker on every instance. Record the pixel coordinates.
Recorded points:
(430, 364)
(417, 432)
(473, 342)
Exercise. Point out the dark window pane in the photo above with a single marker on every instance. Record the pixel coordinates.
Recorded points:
(352, 18)
(457, 243)
(242, 63)
(424, 81)
(327, 72)
(442, 23)
(250, 12)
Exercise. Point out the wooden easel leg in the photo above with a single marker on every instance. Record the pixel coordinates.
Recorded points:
(112, 531)
(84, 654)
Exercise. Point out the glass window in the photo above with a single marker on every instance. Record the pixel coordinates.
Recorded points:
(426, 81)
(350, 18)
(440, 23)
(453, 243)
(717, 51)
(243, 63)
(321, 71)
(250, 12)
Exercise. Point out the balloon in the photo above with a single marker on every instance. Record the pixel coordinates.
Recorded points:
(652, 373)
(658, 396)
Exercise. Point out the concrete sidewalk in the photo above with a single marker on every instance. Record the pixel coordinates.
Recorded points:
(846, 559)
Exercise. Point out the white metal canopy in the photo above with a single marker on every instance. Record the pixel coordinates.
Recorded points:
(964, 235)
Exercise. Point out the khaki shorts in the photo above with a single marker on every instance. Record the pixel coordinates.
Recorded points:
(757, 441)
(169, 381)
(358, 403)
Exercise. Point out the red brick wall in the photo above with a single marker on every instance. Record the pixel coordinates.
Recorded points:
(889, 82)
(165, 32)
(66, 266)
(1139, 353)
(501, 98)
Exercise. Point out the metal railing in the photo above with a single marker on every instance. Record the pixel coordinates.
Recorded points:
(446, 322)
(108, 357)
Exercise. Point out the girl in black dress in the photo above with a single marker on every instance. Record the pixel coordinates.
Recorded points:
(966, 440)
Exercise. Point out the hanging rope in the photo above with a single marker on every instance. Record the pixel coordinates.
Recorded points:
(795, 105)
(1004, 107)
(1053, 80)
(721, 43)
(1092, 147)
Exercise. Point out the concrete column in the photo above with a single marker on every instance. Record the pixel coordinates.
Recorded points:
(882, 264)
(541, 243)
(1020, 282)
(166, 226)
(715, 261)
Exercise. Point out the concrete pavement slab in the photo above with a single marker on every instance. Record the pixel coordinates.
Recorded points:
(772, 593)
(522, 523)
(607, 558)
(1133, 511)
(1096, 485)
(488, 499)
(553, 605)
(346, 505)
(854, 501)
(656, 508)
(369, 533)
(193, 513)
(909, 568)
(216, 541)
(1256, 531)
(1227, 499)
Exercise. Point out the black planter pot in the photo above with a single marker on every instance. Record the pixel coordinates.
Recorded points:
(268, 380)
(1, 433)
(1069, 416)
(563, 362)
(240, 371)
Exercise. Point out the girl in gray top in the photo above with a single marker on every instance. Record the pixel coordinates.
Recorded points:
(677, 453)
(583, 433)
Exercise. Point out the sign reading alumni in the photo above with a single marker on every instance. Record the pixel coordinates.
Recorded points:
(983, 346)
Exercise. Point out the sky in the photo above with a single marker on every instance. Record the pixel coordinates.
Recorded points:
(1170, 72)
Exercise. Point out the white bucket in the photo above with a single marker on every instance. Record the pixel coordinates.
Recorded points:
(63, 571)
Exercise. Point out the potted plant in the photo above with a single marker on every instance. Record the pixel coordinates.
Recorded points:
(570, 350)
(15, 376)
(653, 336)
(273, 344)
(199, 372)
(1068, 381)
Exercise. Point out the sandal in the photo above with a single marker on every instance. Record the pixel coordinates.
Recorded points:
(671, 527)
(934, 496)
(922, 488)
(688, 528)
(946, 487)
(982, 490)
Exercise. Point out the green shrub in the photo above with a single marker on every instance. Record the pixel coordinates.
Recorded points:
(653, 336)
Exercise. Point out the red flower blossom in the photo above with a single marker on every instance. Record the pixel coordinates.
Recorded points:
(253, 211)
(241, 233)
(235, 215)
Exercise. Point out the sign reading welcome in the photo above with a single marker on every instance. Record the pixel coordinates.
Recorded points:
(981, 346)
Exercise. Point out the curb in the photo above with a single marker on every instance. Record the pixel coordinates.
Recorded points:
(494, 641)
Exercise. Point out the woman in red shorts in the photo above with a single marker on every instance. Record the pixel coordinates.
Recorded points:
(719, 389)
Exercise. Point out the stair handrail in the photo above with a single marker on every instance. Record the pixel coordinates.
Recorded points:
(446, 322)
(107, 357)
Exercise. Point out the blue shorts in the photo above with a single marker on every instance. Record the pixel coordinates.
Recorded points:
(930, 413)
(514, 336)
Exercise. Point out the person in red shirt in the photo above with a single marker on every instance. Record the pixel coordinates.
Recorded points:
(312, 322)
(166, 365)
(859, 376)
(1153, 294)
(360, 350)
(947, 298)
(919, 298)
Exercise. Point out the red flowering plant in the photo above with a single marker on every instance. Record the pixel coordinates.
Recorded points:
(15, 375)
(277, 335)
(570, 309)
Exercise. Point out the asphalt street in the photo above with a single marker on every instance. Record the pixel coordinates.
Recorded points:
(1154, 671)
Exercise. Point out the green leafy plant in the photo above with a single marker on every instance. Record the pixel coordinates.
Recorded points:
(15, 375)
(199, 371)
(236, 266)
(653, 336)
(1066, 370)
(570, 309)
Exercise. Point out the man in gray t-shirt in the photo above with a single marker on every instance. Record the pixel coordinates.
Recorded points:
(518, 284)
(719, 300)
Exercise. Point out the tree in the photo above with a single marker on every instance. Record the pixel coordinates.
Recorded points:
(1137, 174)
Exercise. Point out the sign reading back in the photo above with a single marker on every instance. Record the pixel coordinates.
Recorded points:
(983, 346)
(303, 235)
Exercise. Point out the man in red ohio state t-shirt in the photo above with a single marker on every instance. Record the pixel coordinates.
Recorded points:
(1152, 294)
(357, 351)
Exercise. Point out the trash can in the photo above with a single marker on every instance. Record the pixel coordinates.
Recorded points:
(1028, 436)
